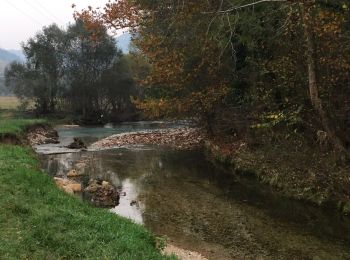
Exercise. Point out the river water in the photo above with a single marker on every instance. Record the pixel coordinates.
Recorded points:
(199, 206)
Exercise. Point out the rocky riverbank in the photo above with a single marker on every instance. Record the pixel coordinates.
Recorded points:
(35, 134)
(180, 138)
(41, 134)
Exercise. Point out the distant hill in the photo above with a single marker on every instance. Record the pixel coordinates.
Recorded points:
(19, 54)
(123, 42)
(3, 65)
(6, 57)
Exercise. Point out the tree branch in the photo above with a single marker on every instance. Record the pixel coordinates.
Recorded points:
(247, 5)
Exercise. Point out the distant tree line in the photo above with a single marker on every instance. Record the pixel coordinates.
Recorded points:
(76, 71)
(3, 90)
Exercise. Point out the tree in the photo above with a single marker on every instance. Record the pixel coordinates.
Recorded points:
(74, 70)
(89, 54)
(119, 86)
(45, 55)
(28, 84)
(209, 56)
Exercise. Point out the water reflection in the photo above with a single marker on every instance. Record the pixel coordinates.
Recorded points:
(206, 209)
(130, 206)
(90, 134)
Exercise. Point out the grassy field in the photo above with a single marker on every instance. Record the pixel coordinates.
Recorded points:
(16, 126)
(9, 102)
(11, 124)
(13, 121)
(39, 221)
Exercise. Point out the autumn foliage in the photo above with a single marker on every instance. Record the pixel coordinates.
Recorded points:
(284, 63)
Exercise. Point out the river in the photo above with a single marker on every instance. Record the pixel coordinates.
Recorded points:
(199, 206)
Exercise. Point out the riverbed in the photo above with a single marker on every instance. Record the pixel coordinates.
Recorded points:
(196, 205)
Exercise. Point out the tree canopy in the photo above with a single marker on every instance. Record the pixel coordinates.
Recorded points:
(75, 70)
(242, 64)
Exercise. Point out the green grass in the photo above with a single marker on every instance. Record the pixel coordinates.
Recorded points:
(13, 123)
(38, 221)
(16, 126)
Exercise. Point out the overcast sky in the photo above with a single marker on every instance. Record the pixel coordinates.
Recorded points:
(21, 19)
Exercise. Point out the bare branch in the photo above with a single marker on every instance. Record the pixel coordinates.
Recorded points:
(247, 5)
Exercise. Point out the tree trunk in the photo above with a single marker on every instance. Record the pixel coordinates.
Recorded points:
(315, 99)
(52, 105)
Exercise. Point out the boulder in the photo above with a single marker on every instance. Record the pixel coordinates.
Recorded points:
(60, 182)
(68, 189)
(103, 194)
(76, 187)
(77, 144)
(68, 186)
(73, 173)
(93, 186)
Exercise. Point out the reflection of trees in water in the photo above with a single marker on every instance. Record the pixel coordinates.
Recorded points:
(172, 193)
(186, 198)
(59, 164)
(127, 208)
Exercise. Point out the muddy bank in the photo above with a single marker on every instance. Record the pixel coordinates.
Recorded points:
(309, 176)
(36, 134)
(10, 139)
(180, 138)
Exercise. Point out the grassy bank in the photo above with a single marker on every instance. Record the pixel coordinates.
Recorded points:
(14, 122)
(17, 126)
(38, 221)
